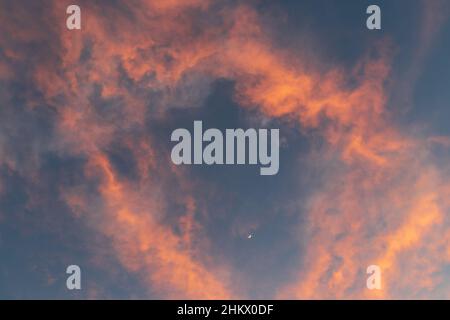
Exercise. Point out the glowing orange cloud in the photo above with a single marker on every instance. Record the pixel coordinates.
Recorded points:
(384, 203)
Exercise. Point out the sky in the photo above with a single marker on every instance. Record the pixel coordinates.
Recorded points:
(86, 176)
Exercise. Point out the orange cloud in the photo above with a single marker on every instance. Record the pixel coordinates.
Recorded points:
(384, 203)
(145, 245)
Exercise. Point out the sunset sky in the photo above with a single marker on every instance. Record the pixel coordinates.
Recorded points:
(86, 176)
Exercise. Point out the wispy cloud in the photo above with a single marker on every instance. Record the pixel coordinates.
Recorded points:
(382, 199)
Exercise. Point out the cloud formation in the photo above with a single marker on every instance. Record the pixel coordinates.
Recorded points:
(94, 95)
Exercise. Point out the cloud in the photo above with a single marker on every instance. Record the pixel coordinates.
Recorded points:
(381, 197)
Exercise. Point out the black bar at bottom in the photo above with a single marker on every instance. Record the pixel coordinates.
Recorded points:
(228, 309)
